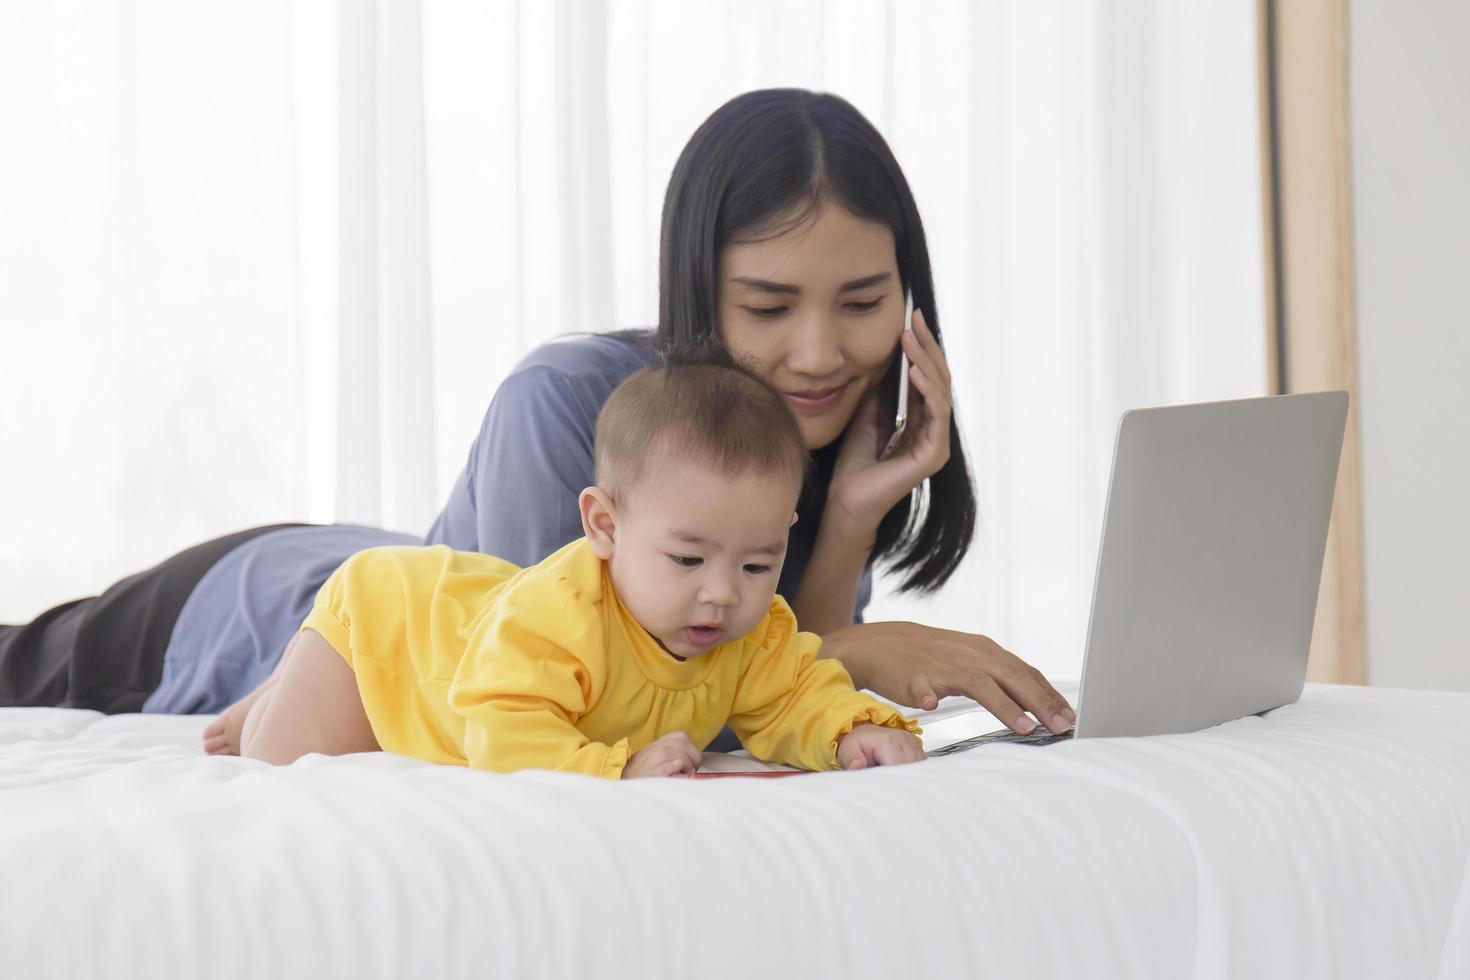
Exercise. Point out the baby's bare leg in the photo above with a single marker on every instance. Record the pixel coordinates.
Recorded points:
(223, 735)
(314, 707)
(254, 711)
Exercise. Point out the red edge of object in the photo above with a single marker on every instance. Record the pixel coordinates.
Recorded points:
(763, 774)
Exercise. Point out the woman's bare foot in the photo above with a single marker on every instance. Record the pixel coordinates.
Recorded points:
(222, 737)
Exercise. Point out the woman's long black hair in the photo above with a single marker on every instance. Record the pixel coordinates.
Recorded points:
(772, 157)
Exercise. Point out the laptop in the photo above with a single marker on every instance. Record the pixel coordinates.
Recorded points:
(1207, 574)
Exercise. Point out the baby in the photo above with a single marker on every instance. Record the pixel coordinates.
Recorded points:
(621, 655)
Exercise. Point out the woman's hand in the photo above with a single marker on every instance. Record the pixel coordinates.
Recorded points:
(863, 489)
(917, 665)
(876, 745)
(672, 755)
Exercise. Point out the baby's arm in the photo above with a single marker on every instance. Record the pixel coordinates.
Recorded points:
(793, 708)
(508, 734)
(524, 684)
(874, 745)
(673, 755)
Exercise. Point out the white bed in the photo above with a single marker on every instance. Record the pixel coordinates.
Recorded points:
(1327, 839)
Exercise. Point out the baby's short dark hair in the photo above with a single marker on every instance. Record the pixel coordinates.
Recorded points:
(700, 404)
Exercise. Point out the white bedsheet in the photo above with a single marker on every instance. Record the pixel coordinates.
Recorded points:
(1327, 839)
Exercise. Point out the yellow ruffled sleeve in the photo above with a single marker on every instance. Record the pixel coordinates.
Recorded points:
(528, 675)
(792, 707)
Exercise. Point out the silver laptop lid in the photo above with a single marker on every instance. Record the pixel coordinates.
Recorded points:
(1211, 555)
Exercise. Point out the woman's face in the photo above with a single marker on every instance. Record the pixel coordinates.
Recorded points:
(820, 309)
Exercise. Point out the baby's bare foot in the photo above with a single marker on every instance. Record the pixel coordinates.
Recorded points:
(222, 736)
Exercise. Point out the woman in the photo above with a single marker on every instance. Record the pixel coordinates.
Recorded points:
(790, 235)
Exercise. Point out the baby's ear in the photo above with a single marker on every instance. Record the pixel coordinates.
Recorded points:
(599, 521)
(794, 516)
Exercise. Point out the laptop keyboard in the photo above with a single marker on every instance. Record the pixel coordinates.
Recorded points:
(1039, 737)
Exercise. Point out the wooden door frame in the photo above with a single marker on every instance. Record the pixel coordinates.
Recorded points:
(1311, 317)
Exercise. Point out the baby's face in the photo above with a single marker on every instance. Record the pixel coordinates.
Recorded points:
(697, 554)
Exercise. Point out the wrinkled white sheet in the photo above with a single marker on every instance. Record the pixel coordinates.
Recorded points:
(1326, 839)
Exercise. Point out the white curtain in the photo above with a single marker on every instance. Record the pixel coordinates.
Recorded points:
(270, 262)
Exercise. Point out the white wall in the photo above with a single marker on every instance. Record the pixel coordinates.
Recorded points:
(1410, 87)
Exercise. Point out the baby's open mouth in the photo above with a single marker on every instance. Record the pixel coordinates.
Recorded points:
(703, 636)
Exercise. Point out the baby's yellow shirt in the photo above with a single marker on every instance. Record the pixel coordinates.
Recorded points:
(466, 659)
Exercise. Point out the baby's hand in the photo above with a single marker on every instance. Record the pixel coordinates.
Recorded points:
(876, 745)
(672, 755)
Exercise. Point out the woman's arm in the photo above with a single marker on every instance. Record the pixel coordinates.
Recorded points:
(905, 662)
(863, 489)
(916, 665)
(827, 595)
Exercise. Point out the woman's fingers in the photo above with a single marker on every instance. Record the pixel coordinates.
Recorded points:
(923, 372)
(905, 661)
(934, 396)
(1028, 686)
(868, 488)
(982, 687)
(930, 445)
(925, 353)
(933, 413)
(921, 689)
(992, 672)
(929, 374)
(930, 345)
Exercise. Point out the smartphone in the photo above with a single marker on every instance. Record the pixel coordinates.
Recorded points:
(893, 395)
